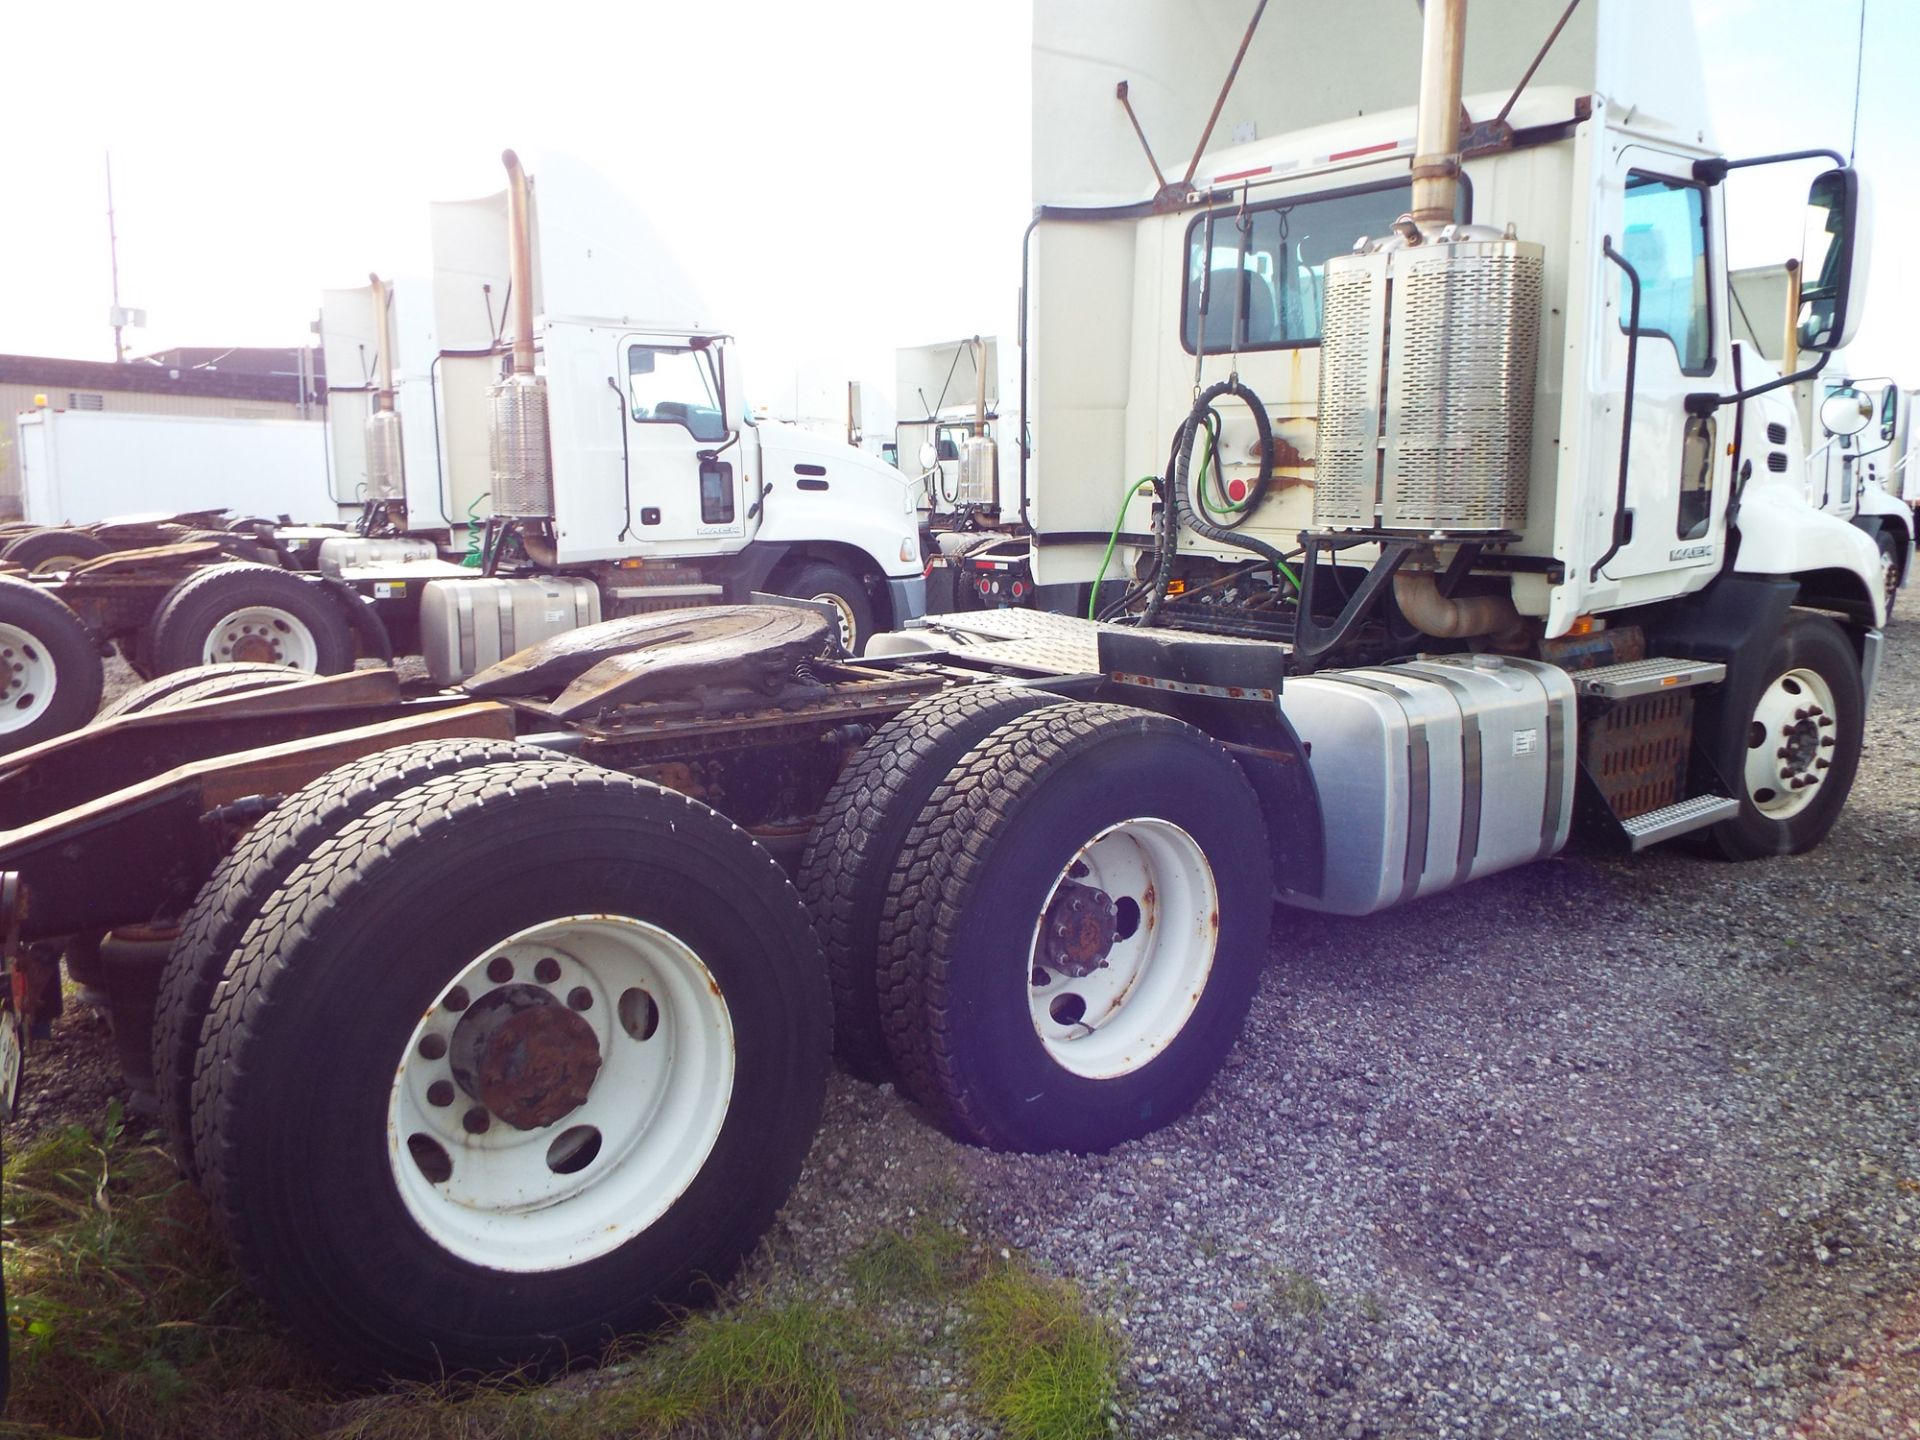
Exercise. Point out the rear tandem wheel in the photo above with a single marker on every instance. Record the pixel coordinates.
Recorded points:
(1081, 923)
(515, 1061)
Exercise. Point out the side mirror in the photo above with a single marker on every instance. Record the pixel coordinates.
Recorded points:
(1846, 412)
(929, 457)
(1833, 262)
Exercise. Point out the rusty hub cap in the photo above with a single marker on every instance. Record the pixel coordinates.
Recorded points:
(564, 1089)
(524, 1056)
(1079, 929)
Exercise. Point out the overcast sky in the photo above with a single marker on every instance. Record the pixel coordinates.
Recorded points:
(841, 178)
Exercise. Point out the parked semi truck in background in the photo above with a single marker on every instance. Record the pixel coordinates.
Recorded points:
(1854, 428)
(1036, 855)
(657, 489)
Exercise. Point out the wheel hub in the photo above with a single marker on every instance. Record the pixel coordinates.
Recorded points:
(1791, 733)
(247, 647)
(1803, 744)
(528, 1059)
(1079, 930)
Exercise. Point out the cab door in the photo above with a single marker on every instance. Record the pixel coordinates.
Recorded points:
(1663, 224)
(684, 461)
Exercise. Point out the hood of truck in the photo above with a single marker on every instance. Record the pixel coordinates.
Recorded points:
(859, 499)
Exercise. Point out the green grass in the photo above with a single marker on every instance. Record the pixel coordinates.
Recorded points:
(127, 1320)
(125, 1317)
(922, 1263)
(1298, 1294)
(1043, 1367)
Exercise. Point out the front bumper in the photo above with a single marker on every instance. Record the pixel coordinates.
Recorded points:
(908, 597)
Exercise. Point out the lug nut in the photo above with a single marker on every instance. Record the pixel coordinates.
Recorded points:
(1801, 713)
(1823, 764)
(1826, 722)
(1826, 742)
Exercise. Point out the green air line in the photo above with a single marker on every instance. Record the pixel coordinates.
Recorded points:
(1228, 506)
(472, 559)
(1200, 489)
(1113, 538)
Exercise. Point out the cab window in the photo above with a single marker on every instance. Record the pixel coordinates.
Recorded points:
(1664, 238)
(676, 385)
(1263, 273)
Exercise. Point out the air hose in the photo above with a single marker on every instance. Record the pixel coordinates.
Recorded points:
(475, 533)
(1180, 511)
(1113, 538)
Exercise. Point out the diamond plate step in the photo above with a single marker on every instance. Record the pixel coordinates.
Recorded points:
(1678, 819)
(1646, 677)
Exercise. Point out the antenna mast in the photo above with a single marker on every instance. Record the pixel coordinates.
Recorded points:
(113, 258)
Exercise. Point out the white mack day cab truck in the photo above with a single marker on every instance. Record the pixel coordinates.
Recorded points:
(491, 1022)
(657, 488)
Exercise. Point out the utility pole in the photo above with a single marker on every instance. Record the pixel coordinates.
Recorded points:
(113, 258)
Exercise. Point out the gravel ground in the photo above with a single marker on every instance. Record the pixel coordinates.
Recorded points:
(1603, 1146)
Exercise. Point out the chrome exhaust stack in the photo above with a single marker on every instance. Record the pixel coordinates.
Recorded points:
(517, 426)
(1436, 148)
(386, 465)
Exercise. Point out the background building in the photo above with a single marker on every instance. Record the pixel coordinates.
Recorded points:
(240, 383)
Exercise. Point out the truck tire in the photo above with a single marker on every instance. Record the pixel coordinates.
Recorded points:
(666, 959)
(250, 613)
(1890, 569)
(1085, 910)
(43, 552)
(849, 864)
(1806, 722)
(248, 877)
(830, 585)
(50, 670)
(206, 681)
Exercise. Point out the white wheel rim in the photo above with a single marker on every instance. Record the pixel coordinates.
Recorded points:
(848, 631)
(1790, 744)
(29, 678)
(263, 634)
(522, 1199)
(1160, 929)
(58, 564)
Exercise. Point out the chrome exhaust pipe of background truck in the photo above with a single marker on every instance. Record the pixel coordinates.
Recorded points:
(1436, 147)
(520, 263)
(517, 420)
(386, 463)
(383, 341)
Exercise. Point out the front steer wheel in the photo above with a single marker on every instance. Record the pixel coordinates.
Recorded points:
(1082, 919)
(830, 585)
(515, 1061)
(1793, 765)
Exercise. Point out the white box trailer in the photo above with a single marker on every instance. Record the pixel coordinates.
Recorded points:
(79, 467)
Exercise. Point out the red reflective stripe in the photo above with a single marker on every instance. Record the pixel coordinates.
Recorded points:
(1383, 146)
(1243, 174)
